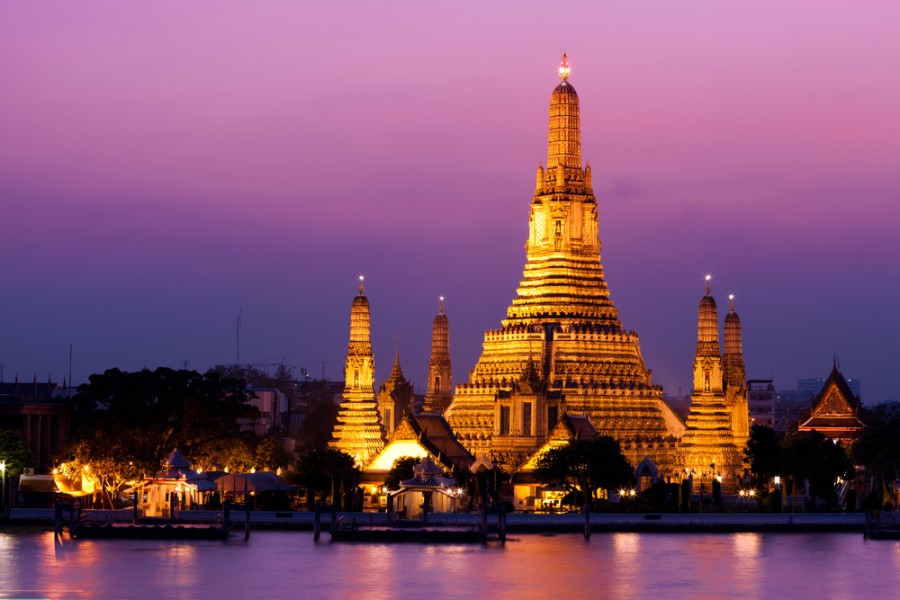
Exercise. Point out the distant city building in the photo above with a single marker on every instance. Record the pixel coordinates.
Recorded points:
(273, 411)
(813, 385)
(39, 414)
(761, 402)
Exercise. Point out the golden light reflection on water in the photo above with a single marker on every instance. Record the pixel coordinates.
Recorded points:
(289, 564)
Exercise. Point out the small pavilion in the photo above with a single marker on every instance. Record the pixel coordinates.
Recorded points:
(427, 491)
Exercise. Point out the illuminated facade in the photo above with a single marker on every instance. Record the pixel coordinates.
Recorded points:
(708, 447)
(358, 429)
(561, 348)
(834, 410)
(395, 397)
(439, 394)
(735, 377)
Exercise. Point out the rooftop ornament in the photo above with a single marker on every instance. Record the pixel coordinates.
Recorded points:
(564, 69)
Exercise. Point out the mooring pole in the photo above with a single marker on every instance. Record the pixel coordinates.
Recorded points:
(317, 522)
(246, 511)
(587, 521)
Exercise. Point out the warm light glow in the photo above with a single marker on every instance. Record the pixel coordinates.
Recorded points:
(731, 296)
(564, 69)
(708, 277)
(385, 460)
(632, 493)
(87, 468)
(253, 470)
(719, 478)
(777, 480)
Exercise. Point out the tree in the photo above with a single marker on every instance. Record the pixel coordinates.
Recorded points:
(763, 453)
(585, 466)
(319, 416)
(14, 451)
(129, 422)
(878, 448)
(809, 455)
(326, 473)
(401, 470)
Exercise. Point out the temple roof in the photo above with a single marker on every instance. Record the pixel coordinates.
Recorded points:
(834, 409)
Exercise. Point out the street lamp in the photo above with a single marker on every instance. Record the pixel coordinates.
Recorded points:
(3, 486)
(780, 495)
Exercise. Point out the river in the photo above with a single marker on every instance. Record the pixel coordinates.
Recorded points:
(274, 564)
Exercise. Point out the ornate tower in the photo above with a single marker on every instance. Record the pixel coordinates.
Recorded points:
(735, 376)
(395, 397)
(561, 347)
(358, 429)
(708, 447)
(438, 397)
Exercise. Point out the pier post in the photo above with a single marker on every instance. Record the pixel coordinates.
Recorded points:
(501, 525)
(317, 522)
(226, 516)
(57, 517)
(587, 519)
(246, 512)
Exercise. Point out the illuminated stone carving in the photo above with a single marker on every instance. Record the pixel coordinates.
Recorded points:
(439, 394)
(395, 397)
(561, 348)
(708, 447)
(358, 429)
(735, 375)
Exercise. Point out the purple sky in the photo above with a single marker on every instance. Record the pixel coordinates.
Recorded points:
(164, 165)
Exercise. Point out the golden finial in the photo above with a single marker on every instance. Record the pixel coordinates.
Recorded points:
(361, 279)
(564, 69)
(441, 310)
(731, 302)
(708, 279)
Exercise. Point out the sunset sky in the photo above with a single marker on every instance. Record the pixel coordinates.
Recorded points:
(165, 165)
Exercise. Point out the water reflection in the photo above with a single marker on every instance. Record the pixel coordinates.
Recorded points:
(289, 564)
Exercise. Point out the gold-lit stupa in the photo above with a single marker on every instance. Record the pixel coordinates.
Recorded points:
(358, 429)
(561, 348)
(439, 392)
(708, 447)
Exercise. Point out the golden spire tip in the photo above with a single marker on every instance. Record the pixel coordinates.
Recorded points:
(564, 69)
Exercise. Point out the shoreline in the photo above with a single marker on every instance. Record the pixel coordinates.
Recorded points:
(516, 522)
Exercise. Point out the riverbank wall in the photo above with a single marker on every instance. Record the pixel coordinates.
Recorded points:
(516, 522)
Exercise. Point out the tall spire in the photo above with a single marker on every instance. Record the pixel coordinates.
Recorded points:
(358, 429)
(564, 140)
(735, 375)
(395, 397)
(562, 325)
(439, 372)
(708, 323)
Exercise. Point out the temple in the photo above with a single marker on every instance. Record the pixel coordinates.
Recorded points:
(439, 394)
(834, 411)
(358, 431)
(708, 448)
(561, 348)
(395, 397)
